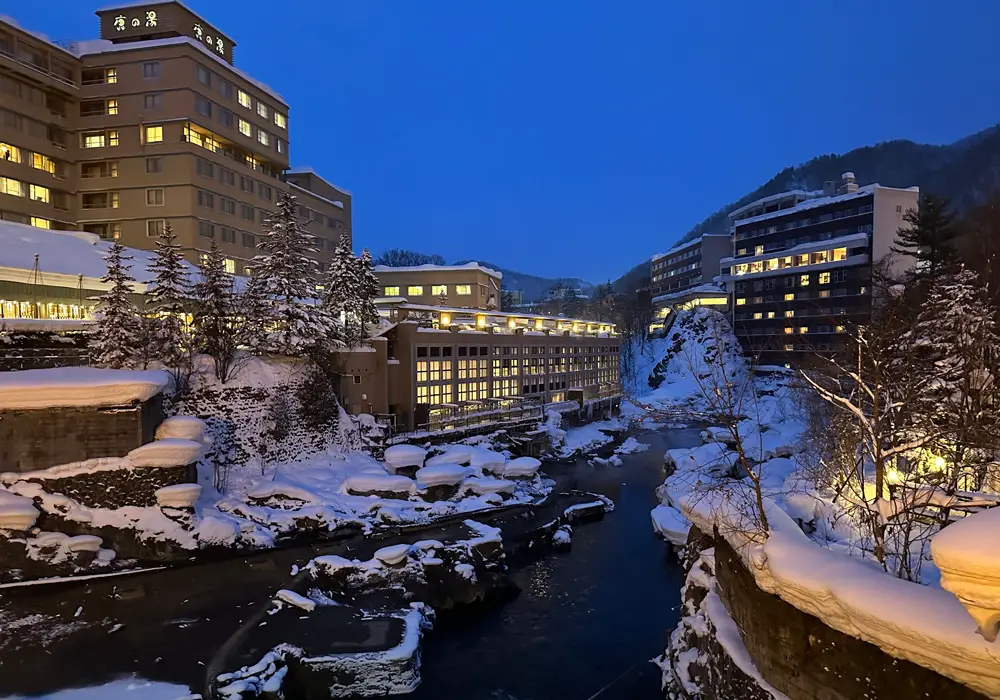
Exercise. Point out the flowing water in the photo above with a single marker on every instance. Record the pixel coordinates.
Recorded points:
(586, 623)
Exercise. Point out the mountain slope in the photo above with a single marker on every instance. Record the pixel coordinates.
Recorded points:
(966, 171)
(534, 287)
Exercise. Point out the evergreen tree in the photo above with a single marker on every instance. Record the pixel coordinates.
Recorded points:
(114, 337)
(166, 297)
(341, 280)
(363, 309)
(929, 237)
(287, 274)
(214, 313)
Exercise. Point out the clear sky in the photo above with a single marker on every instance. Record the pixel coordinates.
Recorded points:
(575, 137)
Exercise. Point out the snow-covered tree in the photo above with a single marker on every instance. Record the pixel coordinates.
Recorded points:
(341, 280)
(214, 313)
(168, 292)
(114, 337)
(286, 270)
(363, 309)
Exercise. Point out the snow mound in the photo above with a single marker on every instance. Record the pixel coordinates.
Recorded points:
(485, 486)
(78, 386)
(631, 446)
(16, 512)
(169, 452)
(178, 496)
(185, 427)
(670, 524)
(382, 483)
(442, 474)
(399, 456)
(968, 555)
(522, 466)
(293, 598)
(392, 554)
(452, 454)
(487, 460)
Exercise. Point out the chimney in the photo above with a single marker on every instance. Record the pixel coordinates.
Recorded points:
(829, 188)
(848, 184)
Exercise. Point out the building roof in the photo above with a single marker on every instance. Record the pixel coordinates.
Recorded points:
(699, 290)
(688, 244)
(306, 170)
(458, 310)
(98, 46)
(774, 198)
(441, 268)
(814, 202)
(332, 202)
(6, 19)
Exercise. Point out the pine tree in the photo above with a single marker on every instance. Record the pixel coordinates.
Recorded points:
(114, 337)
(929, 237)
(214, 313)
(287, 274)
(341, 280)
(364, 310)
(165, 299)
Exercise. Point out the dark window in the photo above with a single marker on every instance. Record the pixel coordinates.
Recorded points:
(248, 240)
(152, 101)
(203, 74)
(228, 235)
(246, 184)
(206, 199)
(357, 379)
(265, 191)
(154, 165)
(203, 106)
(151, 70)
(246, 212)
(154, 198)
(227, 176)
(446, 352)
(225, 117)
(422, 352)
(155, 227)
(205, 168)
(435, 352)
(228, 205)
(463, 351)
(206, 229)
(224, 87)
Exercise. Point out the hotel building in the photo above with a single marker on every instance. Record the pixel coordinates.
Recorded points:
(471, 286)
(148, 125)
(683, 277)
(801, 265)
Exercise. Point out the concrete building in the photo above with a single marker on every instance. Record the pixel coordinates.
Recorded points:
(150, 124)
(801, 268)
(471, 286)
(682, 277)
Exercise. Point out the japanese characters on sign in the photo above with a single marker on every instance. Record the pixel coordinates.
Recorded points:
(217, 44)
(148, 18)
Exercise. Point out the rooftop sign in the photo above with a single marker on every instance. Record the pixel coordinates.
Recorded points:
(157, 20)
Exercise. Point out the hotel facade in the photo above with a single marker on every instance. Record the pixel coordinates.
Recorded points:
(683, 277)
(149, 125)
(801, 265)
(472, 285)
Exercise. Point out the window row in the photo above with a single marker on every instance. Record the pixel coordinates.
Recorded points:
(33, 128)
(831, 277)
(243, 98)
(780, 263)
(416, 290)
(210, 142)
(806, 221)
(16, 188)
(13, 154)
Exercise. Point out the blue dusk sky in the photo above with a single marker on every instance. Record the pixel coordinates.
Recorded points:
(575, 137)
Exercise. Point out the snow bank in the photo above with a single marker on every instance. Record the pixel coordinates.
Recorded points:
(178, 496)
(16, 512)
(169, 452)
(968, 556)
(399, 456)
(184, 427)
(441, 474)
(371, 483)
(487, 460)
(78, 386)
(294, 599)
(670, 524)
(522, 466)
(452, 454)
(486, 486)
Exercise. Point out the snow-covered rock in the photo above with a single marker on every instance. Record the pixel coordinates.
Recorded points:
(968, 555)
(378, 483)
(392, 554)
(483, 486)
(178, 496)
(670, 524)
(631, 446)
(452, 454)
(487, 460)
(169, 452)
(521, 467)
(16, 512)
(295, 599)
(185, 427)
(442, 475)
(399, 456)
(78, 386)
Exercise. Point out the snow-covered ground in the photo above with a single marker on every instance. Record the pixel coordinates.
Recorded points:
(124, 689)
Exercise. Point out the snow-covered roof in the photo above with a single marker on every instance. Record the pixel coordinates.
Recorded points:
(6, 19)
(332, 202)
(78, 386)
(440, 268)
(865, 191)
(97, 46)
(688, 244)
(774, 198)
(460, 311)
(307, 170)
(699, 290)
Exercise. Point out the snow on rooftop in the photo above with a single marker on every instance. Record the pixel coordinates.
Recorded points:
(814, 202)
(706, 288)
(78, 386)
(97, 46)
(775, 198)
(688, 244)
(307, 170)
(440, 268)
(332, 202)
(7, 19)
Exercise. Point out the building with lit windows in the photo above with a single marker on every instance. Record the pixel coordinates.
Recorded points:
(150, 124)
(472, 285)
(801, 267)
(683, 277)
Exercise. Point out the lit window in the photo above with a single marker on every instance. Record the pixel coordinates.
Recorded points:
(741, 301)
(112, 75)
(230, 266)
(840, 329)
(263, 137)
(789, 297)
(94, 140)
(824, 294)
(262, 110)
(758, 250)
(824, 278)
(154, 134)
(245, 127)
(840, 254)
(803, 280)
(243, 98)
(113, 138)
(112, 106)
(392, 291)
(40, 223)
(789, 348)
(415, 290)
(789, 313)
(803, 329)
(439, 289)
(38, 193)
(43, 163)
(114, 200)
(280, 120)
(10, 153)
(758, 316)
(770, 314)
(463, 289)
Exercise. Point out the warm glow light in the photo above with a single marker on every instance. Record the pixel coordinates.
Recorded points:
(538, 324)
(893, 476)
(939, 462)
(480, 321)
(445, 320)
(511, 323)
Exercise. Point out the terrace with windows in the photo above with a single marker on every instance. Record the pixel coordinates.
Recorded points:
(498, 322)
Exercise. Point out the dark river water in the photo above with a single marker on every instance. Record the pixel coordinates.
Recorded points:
(586, 623)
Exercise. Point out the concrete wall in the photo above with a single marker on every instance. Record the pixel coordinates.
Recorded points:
(364, 386)
(39, 439)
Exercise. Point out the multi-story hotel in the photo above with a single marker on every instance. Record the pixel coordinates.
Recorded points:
(682, 277)
(471, 286)
(801, 266)
(150, 124)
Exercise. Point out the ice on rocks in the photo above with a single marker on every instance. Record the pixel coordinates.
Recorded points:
(522, 466)
(400, 456)
(16, 512)
(178, 496)
(441, 474)
(169, 452)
